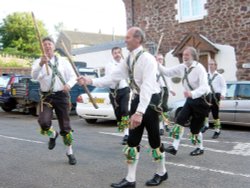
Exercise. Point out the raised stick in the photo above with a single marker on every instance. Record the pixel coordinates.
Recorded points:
(40, 40)
(77, 73)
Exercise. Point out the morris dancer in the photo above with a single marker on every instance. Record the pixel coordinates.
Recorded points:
(218, 91)
(165, 89)
(195, 109)
(141, 69)
(55, 89)
(119, 95)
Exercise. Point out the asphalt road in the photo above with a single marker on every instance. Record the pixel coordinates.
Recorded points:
(25, 161)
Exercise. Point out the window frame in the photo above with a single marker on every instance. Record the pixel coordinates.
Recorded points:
(189, 18)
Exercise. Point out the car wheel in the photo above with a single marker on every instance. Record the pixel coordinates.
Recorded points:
(91, 121)
(32, 111)
(8, 107)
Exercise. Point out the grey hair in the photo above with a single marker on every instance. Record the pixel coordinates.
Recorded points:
(193, 52)
(139, 34)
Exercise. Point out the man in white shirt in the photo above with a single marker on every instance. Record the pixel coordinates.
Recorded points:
(218, 91)
(141, 69)
(119, 95)
(165, 89)
(195, 109)
(55, 86)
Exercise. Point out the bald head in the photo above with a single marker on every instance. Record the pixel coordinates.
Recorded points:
(134, 38)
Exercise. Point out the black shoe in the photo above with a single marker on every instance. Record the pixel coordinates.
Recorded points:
(124, 184)
(171, 150)
(197, 151)
(125, 140)
(216, 135)
(72, 159)
(161, 132)
(167, 129)
(204, 129)
(52, 142)
(157, 179)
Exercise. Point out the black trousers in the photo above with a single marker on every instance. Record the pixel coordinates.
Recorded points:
(150, 121)
(195, 111)
(214, 108)
(165, 96)
(122, 100)
(60, 102)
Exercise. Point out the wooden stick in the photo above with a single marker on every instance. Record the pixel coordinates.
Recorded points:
(40, 40)
(78, 74)
(159, 44)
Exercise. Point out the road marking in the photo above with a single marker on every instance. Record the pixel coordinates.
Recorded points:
(239, 147)
(242, 149)
(21, 139)
(208, 169)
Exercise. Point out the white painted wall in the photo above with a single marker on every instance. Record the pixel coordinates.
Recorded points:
(98, 59)
(225, 58)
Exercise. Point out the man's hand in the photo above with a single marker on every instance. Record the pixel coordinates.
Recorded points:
(44, 60)
(66, 88)
(187, 94)
(135, 120)
(84, 80)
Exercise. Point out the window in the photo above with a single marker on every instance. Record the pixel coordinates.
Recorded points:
(230, 91)
(190, 10)
(243, 91)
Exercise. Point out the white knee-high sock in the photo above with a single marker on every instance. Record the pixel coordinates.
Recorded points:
(161, 124)
(200, 137)
(131, 176)
(161, 168)
(176, 142)
(206, 123)
(53, 135)
(69, 150)
(126, 131)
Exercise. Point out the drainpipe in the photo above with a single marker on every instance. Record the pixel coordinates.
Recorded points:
(133, 12)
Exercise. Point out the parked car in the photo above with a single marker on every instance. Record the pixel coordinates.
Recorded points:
(25, 92)
(234, 109)
(7, 102)
(85, 109)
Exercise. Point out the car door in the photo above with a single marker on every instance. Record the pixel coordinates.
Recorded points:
(242, 114)
(228, 105)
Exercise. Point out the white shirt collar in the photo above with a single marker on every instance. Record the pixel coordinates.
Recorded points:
(136, 51)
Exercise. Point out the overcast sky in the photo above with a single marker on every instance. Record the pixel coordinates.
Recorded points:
(84, 15)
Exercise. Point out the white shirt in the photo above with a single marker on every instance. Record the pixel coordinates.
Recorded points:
(109, 68)
(218, 83)
(167, 84)
(197, 77)
(64, 67)
(145, 70)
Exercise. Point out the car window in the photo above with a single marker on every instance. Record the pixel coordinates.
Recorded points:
(4, 81)
(243, 91)
(100, 90)
(230, 91)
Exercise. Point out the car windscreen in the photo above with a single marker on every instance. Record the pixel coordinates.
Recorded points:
(4, 81)
(100, 90)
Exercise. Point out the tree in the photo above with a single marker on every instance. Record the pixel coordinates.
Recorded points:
(18, 35)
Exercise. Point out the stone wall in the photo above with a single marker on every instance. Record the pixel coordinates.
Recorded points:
(227, 22)
(13, 70)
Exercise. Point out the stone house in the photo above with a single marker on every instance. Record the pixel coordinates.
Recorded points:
(218, 29)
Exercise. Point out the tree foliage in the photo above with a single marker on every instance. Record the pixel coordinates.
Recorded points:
(18, 35)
